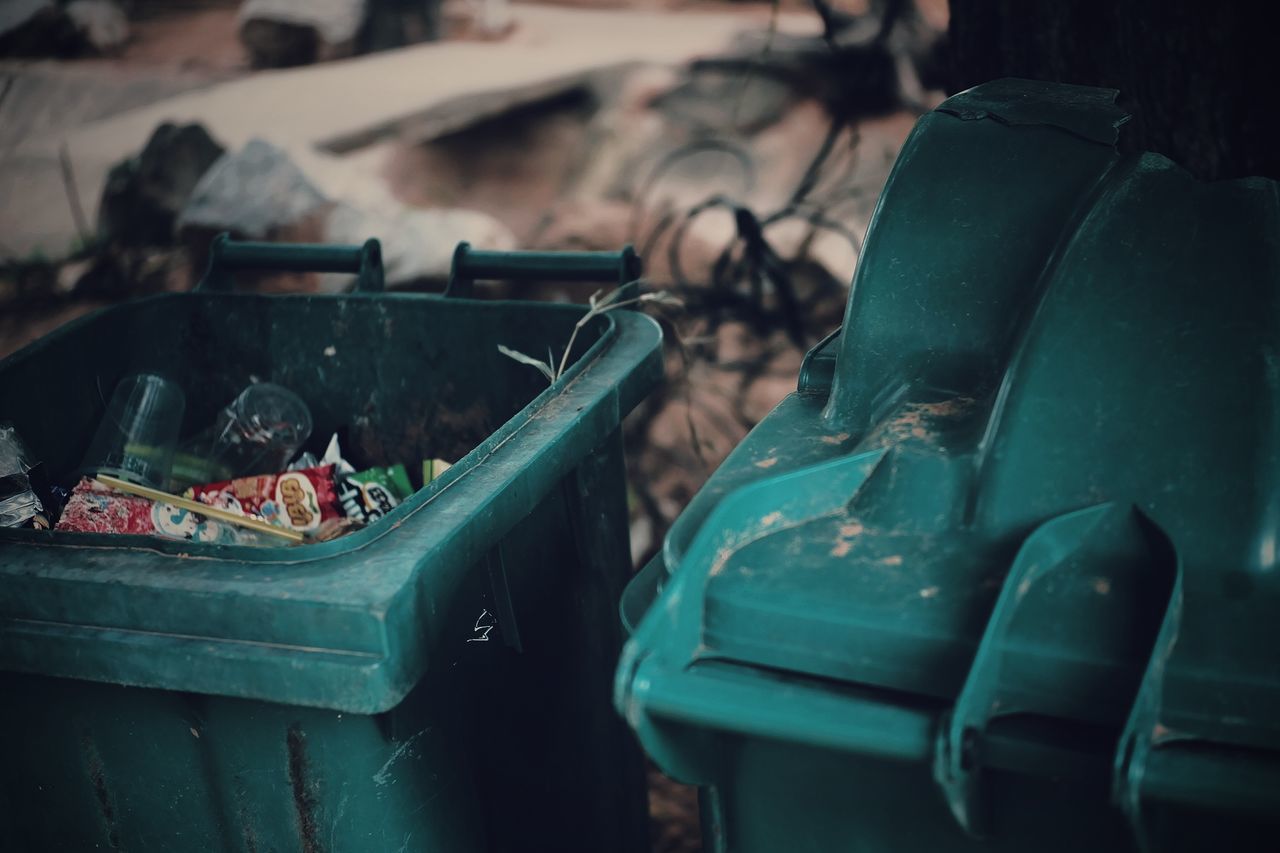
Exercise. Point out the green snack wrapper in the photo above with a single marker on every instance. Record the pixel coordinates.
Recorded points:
(432, 468)
(368, 495)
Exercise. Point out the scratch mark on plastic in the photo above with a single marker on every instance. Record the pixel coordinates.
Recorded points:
(383, 776)
(480, 626)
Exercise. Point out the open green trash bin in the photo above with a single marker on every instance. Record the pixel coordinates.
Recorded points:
(1003, 573)
(437, 681)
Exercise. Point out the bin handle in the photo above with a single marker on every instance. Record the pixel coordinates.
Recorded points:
(470, 265)
(818, 369)
(226, 255)
(1128, 570)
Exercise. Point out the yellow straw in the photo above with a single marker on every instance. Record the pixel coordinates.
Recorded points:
(202, 509)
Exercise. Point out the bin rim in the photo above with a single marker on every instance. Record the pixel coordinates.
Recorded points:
(285, 554)
(363, 608)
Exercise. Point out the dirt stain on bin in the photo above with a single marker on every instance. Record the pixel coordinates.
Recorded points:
(917, 422)
(97, 775)
(849, 531)
(245, 816)
(304, 803)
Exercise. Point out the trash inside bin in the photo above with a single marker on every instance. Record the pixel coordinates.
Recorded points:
(437, 680)
(1002, 574)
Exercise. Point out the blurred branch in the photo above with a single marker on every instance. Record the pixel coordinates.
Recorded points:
(73, 195)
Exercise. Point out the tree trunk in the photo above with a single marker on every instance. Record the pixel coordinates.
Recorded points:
(1199, 77)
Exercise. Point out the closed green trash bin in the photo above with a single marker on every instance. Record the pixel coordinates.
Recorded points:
(1002, 574)
(437, 681)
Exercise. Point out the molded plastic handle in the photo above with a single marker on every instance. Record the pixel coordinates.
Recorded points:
(226, 255)
(470, 265)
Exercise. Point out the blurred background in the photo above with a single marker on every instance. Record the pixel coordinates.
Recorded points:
(739, 146)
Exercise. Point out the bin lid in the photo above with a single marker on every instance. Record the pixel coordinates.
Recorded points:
(1043, 480)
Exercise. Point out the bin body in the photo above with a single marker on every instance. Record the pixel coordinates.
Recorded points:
(1001, 574)
(437, 681)
(109, 767)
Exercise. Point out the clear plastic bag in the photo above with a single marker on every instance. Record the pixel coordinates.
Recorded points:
(18, 503)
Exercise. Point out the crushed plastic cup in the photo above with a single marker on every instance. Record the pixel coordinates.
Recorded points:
(257, 433)
(136, 438)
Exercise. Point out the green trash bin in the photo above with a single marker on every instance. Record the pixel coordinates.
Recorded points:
(1002, 574)
(437, 681)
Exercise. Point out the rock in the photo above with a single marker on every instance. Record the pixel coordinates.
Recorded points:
(491, 18)
(417, 244)
(69, 275)
(397, 23)
(17, 13)
(101, 23)
(255, 193)
(144, 195)
(262, 193)
(479, 20)
(36, 28)
(274, 44)
(281, 33)
(43, 28)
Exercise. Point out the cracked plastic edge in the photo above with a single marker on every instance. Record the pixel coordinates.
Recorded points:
(1084, 111)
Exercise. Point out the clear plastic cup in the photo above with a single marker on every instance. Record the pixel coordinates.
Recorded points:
(136, 439)
(257, 433)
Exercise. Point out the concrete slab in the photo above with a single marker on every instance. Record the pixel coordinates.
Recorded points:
(45, 99)
(334, 107)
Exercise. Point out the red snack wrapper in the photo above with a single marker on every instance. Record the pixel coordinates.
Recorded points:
(96, 508)
(297, 500)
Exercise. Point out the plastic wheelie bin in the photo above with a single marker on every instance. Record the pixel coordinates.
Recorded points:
(439, 680)
(1002, 574)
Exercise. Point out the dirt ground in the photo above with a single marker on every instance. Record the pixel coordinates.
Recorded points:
(744, 192)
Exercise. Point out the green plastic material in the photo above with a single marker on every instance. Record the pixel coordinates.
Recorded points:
(437, 681)
(471, 265)
(1002, 574)
(227, 256)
